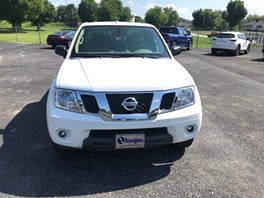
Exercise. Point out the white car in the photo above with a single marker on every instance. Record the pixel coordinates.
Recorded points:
(232, 42)
(120, 87)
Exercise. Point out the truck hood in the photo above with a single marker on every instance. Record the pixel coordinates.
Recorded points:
(122, 74)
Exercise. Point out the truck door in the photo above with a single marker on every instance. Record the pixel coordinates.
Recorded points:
(184, 41)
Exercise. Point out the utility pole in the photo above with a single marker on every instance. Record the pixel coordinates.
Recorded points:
(203, 21)
(65, 16)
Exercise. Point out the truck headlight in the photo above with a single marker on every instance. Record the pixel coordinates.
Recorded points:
(186, 97)
(66, 99)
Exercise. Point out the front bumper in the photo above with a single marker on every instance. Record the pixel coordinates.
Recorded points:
(92, 132)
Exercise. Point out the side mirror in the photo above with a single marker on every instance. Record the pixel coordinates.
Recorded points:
(61, 50)
(176, 50)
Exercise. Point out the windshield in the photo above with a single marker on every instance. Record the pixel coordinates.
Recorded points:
(119, 41)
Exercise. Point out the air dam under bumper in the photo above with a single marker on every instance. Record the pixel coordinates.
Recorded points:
(105, 139)
(81, 128)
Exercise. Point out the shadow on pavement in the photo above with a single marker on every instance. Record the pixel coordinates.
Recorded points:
(258, 60)
(30, 167)
(47, 48)
(219, 54)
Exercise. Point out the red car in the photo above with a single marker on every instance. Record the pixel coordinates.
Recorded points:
(62, 37)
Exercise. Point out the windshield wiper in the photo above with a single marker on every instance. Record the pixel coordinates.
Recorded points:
(138, 55)
(96, 56)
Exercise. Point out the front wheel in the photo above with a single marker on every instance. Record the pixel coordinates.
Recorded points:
(189, 46)
(247, 50)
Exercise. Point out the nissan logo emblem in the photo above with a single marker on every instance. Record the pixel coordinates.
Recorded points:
(130, 104)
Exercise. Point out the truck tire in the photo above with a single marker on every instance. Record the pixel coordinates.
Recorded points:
(189, 46)
(173, 44)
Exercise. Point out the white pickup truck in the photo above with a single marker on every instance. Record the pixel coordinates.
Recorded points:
(120, 87)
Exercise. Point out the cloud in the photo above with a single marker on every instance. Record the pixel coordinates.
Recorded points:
(150, 5)
(184, 13)
(131, 2)
(253, 7)
(172, 5)
(98, 1)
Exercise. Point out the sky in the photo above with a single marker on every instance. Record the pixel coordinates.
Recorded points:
(183, 7)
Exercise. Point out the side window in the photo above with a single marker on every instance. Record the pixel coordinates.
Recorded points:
(243, 37)
(181, 33)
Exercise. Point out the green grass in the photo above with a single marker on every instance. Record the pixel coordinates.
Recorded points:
(28, 34)
(202, 42)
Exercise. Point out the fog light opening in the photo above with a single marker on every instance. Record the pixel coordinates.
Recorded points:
(62, 134)
(190, 128)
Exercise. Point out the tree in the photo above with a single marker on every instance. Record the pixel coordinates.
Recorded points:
(87, 10)
(236, 12)
(126, 14)
(253, 17)
(4, 9)
(61, 13)
(156, 17)
(47, 15)
(209, 19)
(139, 19)
(19, 11)
(110, 10)
(172, 15)
(198, 18)
(71, 14)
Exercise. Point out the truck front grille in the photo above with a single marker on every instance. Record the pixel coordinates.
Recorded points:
(90, 103)
(167, 101)
(111, 104)
(115, 103)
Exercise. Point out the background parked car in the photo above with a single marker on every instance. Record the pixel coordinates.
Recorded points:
(62, 37)
(232, 42)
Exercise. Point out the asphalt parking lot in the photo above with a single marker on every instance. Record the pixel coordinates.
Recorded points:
(226, 159)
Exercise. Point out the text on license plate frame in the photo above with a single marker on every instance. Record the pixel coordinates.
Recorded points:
(126, 141)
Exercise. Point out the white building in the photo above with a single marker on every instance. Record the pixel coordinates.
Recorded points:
(254, 26)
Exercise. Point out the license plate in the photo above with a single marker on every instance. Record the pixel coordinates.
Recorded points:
(125, 141)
